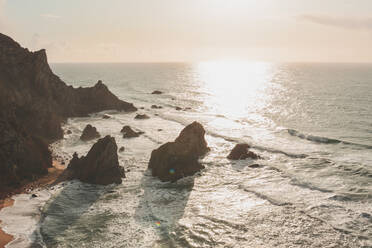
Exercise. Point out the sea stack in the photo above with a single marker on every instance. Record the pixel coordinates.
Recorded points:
(240, 152)
(89, 133)
(178, 159)
(99, 166)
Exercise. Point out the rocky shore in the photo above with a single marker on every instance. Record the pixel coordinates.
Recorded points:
(34, 102)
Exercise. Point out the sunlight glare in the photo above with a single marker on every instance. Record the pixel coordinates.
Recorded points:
(234, 87)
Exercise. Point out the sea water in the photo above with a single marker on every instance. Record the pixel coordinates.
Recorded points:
(310, 123)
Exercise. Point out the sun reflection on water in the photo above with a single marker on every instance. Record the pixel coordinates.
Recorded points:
(234, 88)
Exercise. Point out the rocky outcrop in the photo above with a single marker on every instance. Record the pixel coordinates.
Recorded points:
(141, 117)
(157, 92)
(89, 133)
(128, 132)
(99, 166)
(156, 107)
(178, 159)
(240, 152)
(33, 104)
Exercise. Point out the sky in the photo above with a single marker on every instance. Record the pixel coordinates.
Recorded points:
(192, 30)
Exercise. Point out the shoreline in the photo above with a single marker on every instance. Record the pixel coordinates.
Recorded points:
(6, 199)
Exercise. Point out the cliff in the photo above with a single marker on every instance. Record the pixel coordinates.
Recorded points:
(33, 104)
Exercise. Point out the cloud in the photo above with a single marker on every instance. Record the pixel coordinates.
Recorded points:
(341, 22)
(50, 16)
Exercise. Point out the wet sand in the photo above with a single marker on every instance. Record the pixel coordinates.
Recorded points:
(53, 176)
(4, 237)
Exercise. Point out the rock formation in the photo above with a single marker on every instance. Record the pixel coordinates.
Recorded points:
(99, 166)
(156, 107)
(89, 133)
(240, 152)
(141, 117)
(157, 92)
(33, 104)
(128, 132)
(178, 159)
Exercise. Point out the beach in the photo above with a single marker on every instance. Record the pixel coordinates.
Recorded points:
(53, 174)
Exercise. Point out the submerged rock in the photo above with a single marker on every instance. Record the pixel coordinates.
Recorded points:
(89, 133)
(99, 166)
(240, 152)
(157, 92)
(156, 107)
(178, 108)
(178, 159)
(122, 149)
(141, 117)
(128, 132)
(106, 117)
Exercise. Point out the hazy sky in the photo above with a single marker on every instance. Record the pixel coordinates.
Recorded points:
(192, 30)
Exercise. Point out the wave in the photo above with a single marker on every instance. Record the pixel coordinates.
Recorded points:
(324, 140)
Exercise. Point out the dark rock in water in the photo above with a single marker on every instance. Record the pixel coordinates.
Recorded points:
(106, 117)
(129, 133)
(33, 104)
(157, 92)
(142, 107)
(89, 133)
(178, 108)
(159, 130)
(187, 108)
(178, 159)
(141, 117)
(63, 162)
(156, 107)
(33, 195)
(240, 151)
(68, 132)
(255, 166)
(99, 166)
(122, 149)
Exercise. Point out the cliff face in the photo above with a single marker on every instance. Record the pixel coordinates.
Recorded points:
(33, 104)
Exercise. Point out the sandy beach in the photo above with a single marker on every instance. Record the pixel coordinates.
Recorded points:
(6, 200)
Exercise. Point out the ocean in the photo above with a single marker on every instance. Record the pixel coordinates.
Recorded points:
(310, 123)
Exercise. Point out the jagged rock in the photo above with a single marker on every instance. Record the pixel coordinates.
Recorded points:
(157, 92)
(122, 149)
(99, 166)
(128, 132)
(33, 104)
(156, 107)
(178, 159)
(240, 152)
(89, 133)
(106, 117)
(141, 117)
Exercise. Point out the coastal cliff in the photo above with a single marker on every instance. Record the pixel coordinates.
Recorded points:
(34, 102)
